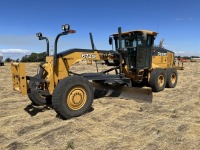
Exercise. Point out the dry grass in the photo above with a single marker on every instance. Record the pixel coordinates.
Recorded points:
(171, 121)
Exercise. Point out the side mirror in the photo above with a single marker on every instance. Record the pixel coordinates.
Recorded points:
(144, 36)
(110, 40)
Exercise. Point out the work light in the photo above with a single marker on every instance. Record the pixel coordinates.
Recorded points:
(39, 34)
(66, 27)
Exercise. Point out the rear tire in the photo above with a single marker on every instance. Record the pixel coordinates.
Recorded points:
(157, 80)
(172, 78)
(72, 97)
(36, 98)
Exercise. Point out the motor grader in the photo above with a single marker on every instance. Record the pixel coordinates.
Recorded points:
(132, 59)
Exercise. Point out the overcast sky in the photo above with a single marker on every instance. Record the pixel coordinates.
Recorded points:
(177, 21)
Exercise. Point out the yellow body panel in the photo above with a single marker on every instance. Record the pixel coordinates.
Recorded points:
(166, 61)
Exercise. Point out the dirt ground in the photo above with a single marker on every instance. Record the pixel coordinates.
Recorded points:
(170, 121)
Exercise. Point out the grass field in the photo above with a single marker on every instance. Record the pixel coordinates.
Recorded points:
(170, 121)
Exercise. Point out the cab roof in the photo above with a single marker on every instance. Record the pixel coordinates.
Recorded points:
(135, 31)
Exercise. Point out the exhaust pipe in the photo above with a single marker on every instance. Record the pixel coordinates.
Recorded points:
(120, 50)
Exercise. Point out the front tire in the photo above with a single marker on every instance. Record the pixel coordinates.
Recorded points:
(72, 97)
(157, 80)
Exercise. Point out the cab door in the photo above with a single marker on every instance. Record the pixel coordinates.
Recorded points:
(144, 53)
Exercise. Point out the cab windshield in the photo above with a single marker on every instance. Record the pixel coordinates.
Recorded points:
(133, 42)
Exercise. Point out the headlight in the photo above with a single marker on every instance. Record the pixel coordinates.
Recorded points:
(39, 34)
(66, 27)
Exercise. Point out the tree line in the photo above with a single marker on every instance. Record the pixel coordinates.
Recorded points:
(33, 57)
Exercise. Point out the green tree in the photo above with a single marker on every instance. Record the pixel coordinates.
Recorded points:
(17, 60)
(34, 57)
(8, 59)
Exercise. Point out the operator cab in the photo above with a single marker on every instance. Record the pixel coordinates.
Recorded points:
(136, 48)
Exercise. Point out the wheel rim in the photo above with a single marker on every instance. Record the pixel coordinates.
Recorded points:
(76, 98)
(173, 78)
(161, 80)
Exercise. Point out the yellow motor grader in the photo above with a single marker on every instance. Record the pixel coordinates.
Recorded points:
(133, 60)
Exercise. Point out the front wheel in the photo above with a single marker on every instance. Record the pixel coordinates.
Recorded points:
(72, 97)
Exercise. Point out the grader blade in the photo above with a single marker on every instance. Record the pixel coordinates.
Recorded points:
(141, 94)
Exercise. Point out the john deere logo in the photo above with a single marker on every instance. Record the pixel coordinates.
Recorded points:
(162, 54)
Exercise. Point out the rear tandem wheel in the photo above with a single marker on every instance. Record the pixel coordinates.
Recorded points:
(158, 80)
(172, 77)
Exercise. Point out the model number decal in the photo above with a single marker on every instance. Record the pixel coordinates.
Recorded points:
(162, 54)
(88, 55)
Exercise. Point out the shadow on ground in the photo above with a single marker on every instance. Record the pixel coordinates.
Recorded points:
(33, 110)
